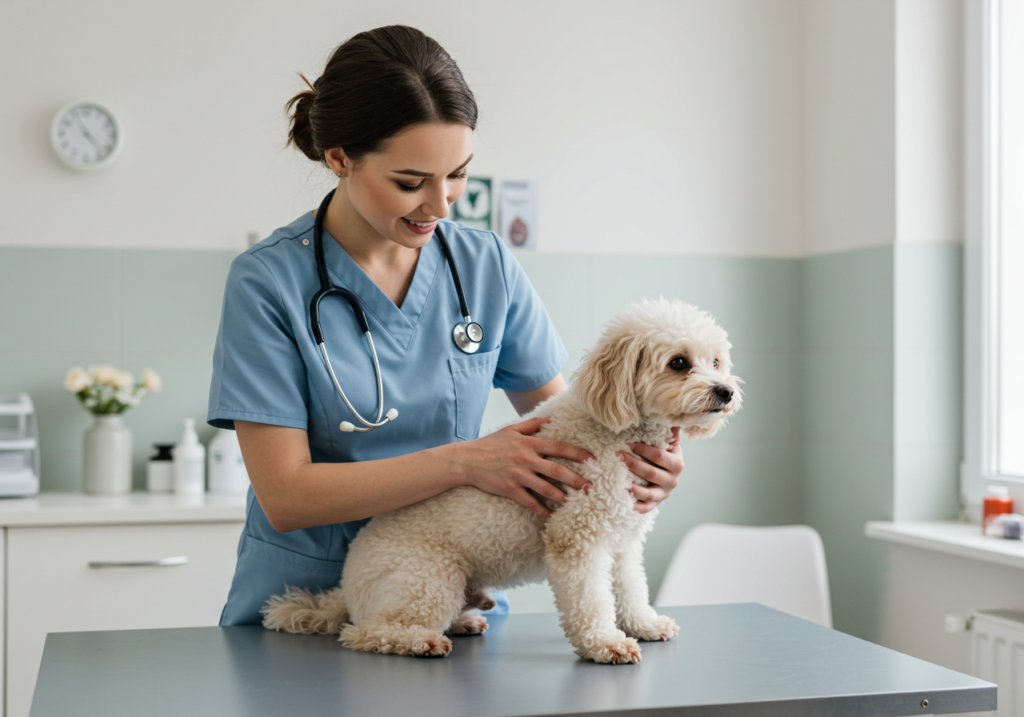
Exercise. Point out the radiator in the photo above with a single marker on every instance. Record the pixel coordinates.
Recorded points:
(997, 655)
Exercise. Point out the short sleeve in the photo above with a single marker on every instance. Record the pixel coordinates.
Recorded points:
(531, 351)
(258, 371)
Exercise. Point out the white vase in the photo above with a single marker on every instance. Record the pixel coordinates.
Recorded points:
(108, 457)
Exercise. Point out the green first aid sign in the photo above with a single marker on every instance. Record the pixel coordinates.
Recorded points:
(475, 208)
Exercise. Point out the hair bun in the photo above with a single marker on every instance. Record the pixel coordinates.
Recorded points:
(301, 133)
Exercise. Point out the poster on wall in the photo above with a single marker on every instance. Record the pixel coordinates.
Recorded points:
(474, 208)
(519, 213)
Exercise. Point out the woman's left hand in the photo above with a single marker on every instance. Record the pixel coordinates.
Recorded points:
(659, 467)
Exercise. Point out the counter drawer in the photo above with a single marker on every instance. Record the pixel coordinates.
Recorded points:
(51, 586)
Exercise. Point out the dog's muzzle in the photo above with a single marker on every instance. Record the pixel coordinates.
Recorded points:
(722, 397)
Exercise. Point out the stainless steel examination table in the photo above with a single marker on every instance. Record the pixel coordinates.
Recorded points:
(728, 660)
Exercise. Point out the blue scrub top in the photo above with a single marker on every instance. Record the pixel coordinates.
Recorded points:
(268, 369)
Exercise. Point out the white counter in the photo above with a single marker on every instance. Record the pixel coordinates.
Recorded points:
(68, 509)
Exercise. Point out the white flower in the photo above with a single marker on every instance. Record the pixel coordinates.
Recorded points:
(77, 380)
(104, 374)
(124, 380)
(151, 380)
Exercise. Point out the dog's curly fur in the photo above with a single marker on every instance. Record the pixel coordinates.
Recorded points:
(414, 574)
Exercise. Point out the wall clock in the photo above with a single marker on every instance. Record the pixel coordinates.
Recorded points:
(86, 136)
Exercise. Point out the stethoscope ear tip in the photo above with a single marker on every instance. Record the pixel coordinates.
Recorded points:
(347, 427)
(392, 414)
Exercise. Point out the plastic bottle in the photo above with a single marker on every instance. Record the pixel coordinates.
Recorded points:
(226, 468)
(160, 471)
(997, 502)
(189, 462)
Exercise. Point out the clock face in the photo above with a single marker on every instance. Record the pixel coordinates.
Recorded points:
(86, 135)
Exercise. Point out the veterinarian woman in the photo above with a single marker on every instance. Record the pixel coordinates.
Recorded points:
(392, 119)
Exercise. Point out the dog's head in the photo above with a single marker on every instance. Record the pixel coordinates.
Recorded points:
(662, 361)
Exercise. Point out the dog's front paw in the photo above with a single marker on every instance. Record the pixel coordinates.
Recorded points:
(613, 650)
(468, 624)
(661, 627)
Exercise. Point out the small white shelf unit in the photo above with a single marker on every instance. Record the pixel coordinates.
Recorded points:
(19, 446)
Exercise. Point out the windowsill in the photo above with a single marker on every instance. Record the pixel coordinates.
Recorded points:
(961, 539)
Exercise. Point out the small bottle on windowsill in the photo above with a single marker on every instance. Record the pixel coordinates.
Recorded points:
(997, 502)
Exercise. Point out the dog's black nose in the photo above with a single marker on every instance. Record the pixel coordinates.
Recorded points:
(723, 392)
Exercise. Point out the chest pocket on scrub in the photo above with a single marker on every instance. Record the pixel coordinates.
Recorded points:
(472, 375)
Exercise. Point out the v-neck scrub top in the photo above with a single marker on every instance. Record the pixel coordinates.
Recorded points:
(267, 369)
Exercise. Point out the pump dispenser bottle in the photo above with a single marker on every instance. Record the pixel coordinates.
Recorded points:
(189, 462)
(226, 473)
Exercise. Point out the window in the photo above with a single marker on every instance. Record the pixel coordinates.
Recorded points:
(994, 249)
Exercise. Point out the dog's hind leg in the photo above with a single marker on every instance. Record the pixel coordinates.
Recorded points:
(380, 635)
(478, 598)
(468, 623)
(411, 611)
(304, 612)
(634, 613)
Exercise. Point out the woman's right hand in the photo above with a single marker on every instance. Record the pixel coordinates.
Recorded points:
(510, 461)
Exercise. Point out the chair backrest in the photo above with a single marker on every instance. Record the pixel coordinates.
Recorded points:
(781, 567)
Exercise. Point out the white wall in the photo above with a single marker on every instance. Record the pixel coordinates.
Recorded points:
(882, 115)
(849, 103)
(922, 587)
(929, 121)
(651, 127)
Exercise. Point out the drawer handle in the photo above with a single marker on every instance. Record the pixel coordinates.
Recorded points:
(159, 563)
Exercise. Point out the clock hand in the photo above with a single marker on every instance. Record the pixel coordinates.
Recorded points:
(88, 136)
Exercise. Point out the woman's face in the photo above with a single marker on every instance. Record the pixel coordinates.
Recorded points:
(401, 191)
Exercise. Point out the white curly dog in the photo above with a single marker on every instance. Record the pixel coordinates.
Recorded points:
(419, 572)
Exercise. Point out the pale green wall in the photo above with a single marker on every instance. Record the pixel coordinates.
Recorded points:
(928, 380)
(881, 331)
(846, 389)
(851, 362)
(135, 309)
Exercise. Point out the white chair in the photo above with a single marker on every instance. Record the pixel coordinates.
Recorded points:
(781, 567)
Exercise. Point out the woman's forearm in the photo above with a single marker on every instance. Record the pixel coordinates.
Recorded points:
(296, 493)
(324, 493)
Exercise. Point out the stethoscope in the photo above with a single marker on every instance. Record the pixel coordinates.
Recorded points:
(467, 336)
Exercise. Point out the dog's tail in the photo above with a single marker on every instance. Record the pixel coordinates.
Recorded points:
(300, 611)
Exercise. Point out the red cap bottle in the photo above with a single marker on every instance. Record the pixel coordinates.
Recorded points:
(997, 502)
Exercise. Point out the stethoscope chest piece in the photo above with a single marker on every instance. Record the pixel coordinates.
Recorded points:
(468, 336)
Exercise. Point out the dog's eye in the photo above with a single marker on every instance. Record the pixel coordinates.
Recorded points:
(716, 363)
(679, 363)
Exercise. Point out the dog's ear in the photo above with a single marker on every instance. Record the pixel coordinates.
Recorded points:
(606, 381)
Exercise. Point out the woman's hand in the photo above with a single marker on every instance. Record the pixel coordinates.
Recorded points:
(659, 467)
(510, 461)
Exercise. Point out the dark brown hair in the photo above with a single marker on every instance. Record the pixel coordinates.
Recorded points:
(375, 85)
